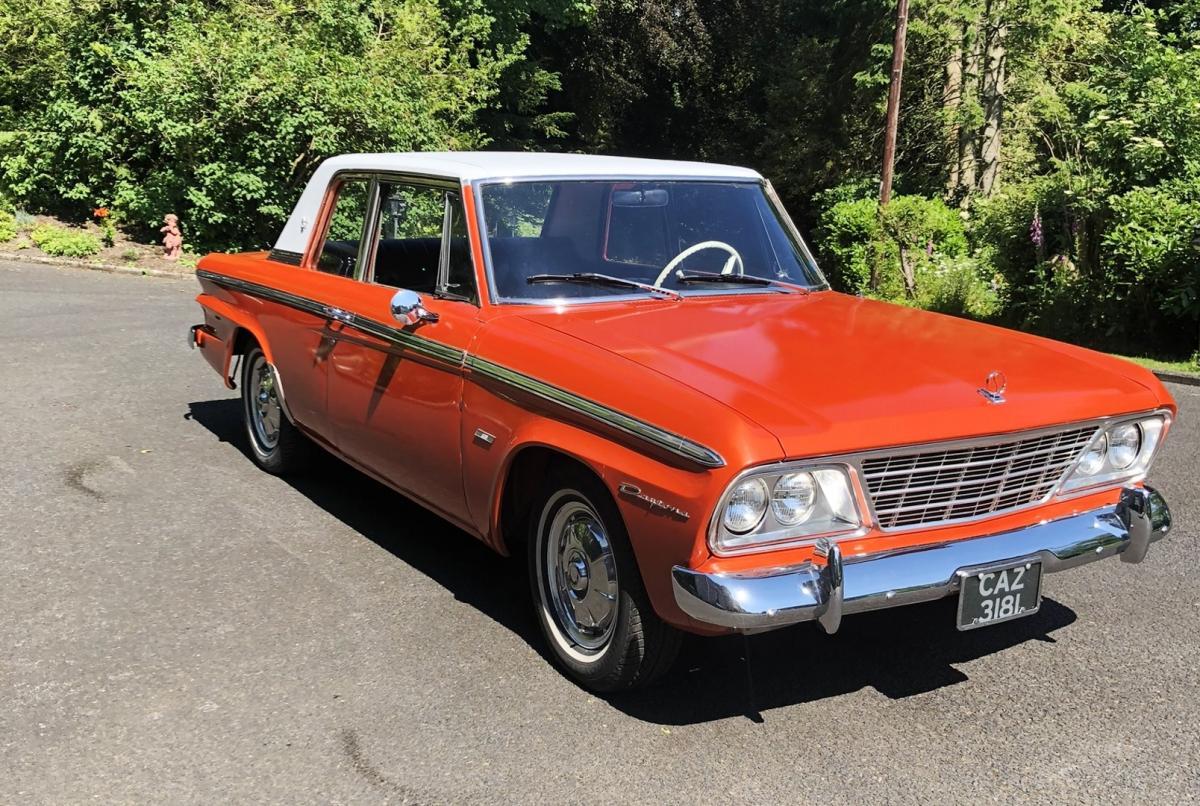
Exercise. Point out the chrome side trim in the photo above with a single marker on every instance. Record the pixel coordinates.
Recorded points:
(410, 341)
(393, 335)
(264, 292)
(429, 348)
(827, 586)
(659, 437)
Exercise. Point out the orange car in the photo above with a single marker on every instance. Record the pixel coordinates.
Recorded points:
(633, 373)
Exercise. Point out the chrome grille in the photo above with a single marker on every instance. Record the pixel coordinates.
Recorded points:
(958, 483)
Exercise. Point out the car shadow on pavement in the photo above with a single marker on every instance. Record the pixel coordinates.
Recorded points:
(899, 653)
(464, 566)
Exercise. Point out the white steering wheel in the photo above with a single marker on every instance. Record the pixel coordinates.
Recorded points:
(734, 259)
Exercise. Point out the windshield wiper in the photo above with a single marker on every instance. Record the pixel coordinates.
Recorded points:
(592, 278)
(733, 279)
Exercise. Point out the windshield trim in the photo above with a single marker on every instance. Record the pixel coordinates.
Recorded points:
(789, 228)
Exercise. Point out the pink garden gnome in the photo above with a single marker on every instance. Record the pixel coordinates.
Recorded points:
(173, 239)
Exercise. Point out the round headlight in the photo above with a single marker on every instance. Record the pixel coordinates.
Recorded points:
(793, 498)
(1124, 445)
(1093, 460)
(746, 506)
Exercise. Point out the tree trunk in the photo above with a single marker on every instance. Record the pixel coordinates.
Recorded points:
(906, 269)
(951, 104)
(968, 136)
(992, 94)
(893, 104)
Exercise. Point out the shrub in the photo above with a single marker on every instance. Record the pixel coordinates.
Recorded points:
(1112, 271)
(846, 235)
(62, 242)
(915, 235)
(957, 286)
(1151, 251)
(8, 226)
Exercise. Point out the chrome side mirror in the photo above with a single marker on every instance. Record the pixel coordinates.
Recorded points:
(408, 310)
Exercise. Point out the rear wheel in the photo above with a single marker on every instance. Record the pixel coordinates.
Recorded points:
(276, 445)
(587, 590)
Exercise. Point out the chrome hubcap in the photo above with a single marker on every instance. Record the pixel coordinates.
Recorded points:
(265, 411)
(581, 576)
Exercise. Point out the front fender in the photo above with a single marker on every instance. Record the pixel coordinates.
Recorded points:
(661, 537)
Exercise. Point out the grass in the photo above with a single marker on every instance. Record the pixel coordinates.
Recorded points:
(1186, 367)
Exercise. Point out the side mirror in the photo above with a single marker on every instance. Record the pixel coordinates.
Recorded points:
(408, 310)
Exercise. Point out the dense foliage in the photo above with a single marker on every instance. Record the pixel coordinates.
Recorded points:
(1048, 158)
(220, 111)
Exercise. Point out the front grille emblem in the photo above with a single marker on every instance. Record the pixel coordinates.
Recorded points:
(994, 386)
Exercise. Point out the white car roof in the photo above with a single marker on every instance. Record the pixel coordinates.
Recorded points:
(475, 165)
(472, 166)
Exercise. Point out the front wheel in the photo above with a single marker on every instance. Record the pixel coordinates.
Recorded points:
(276, 445)
(587, 590)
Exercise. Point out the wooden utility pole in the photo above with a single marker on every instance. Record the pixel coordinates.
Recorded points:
(893, 105)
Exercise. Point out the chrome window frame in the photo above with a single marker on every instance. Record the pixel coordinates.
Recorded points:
(367, 244)
(852, 462)
(322, 235)
(493, 298)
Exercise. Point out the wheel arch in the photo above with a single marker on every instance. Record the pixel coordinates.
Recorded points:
(527, 467)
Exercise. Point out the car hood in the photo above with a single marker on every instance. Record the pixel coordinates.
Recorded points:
(828, 373)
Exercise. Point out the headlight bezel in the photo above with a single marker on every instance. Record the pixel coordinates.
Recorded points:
(769, 534)
(1152, 428)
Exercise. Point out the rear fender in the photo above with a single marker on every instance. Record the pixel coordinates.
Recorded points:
(224, 320)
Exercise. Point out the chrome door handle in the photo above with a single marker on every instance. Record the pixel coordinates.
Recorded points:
(338, 314)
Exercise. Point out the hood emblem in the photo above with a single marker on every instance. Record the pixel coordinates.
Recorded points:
(994, 386)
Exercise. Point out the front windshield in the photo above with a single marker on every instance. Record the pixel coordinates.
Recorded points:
(687, 236)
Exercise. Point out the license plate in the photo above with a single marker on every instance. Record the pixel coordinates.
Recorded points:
(999, 593)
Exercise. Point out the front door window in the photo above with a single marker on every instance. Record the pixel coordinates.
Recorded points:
(408, 248)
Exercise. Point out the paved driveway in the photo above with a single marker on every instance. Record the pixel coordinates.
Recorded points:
(178, 626)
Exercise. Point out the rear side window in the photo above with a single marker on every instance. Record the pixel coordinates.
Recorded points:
(339, 251)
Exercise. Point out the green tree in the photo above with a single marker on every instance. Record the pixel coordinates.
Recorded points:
(219, 111)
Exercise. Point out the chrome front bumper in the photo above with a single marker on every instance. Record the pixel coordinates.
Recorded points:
(829, 586)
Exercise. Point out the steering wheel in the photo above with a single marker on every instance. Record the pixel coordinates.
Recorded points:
(734, 259)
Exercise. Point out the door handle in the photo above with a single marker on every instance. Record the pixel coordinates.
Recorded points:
(338, 313)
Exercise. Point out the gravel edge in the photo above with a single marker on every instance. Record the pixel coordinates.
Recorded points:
(112, 268)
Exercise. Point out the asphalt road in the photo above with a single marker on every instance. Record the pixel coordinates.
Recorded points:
(178, 626)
